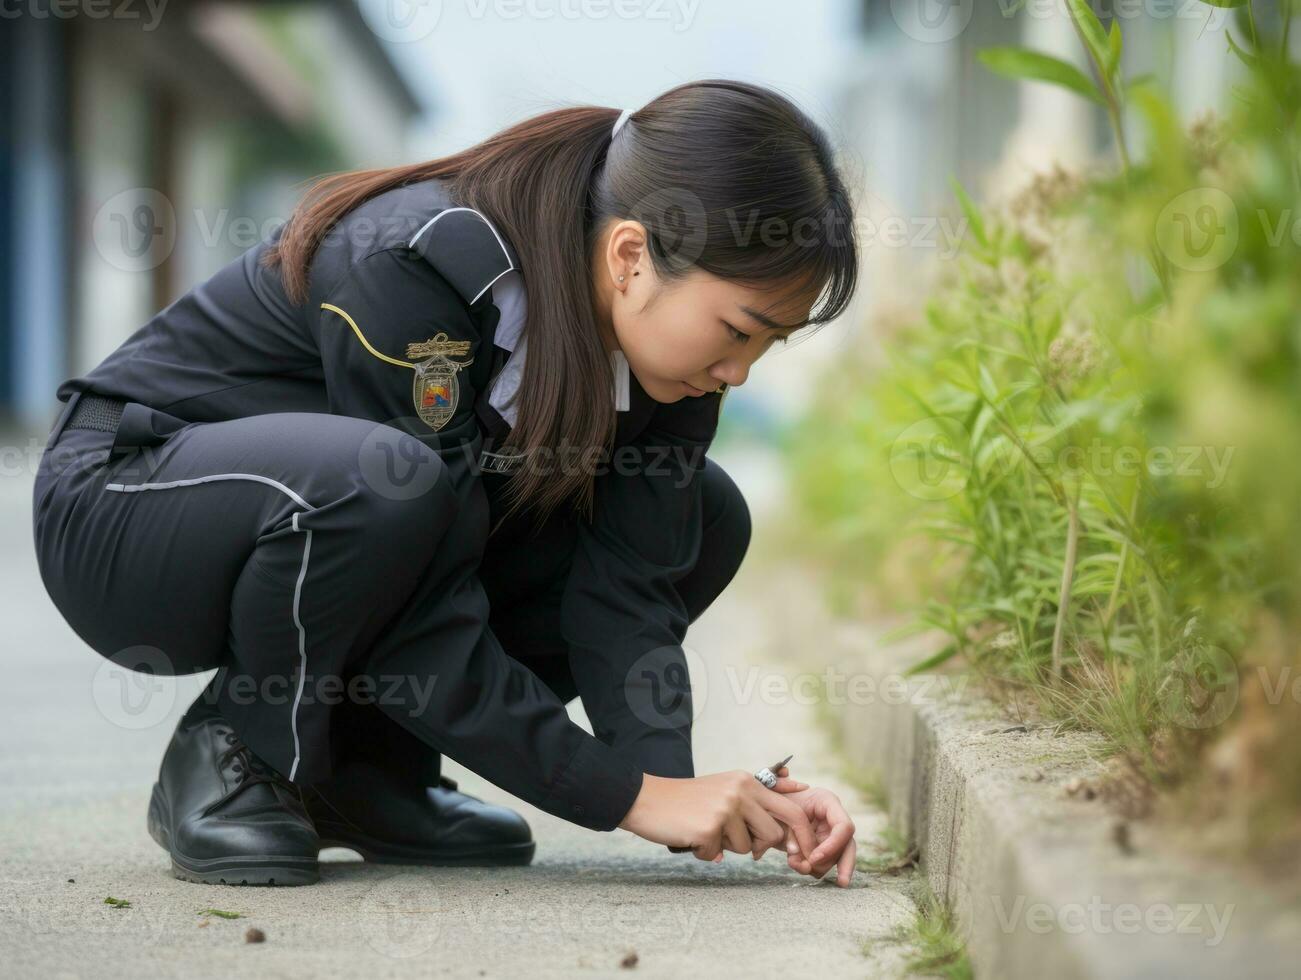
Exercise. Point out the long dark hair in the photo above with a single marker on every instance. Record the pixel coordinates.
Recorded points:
(711, 168)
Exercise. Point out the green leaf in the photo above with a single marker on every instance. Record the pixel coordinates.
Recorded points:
(1115, 46)
(1146, 80)
(988, 387)
(1246, 57)
(993, 349)
(1090, 28)
(930, 663)
(905, 630)
(974, 218)
(1226, 4)
(1022, 64)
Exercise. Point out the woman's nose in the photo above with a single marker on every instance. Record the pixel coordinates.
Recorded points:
(732, 373)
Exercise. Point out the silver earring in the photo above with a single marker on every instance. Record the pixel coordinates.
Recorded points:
(621, 278)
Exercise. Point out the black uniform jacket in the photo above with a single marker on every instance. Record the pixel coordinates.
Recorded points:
(398, 328)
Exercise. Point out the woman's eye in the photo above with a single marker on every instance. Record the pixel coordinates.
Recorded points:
(742, 336)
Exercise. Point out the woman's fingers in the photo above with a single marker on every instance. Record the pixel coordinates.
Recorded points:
(826, 826)
(711, 850)
(845, 867)
(794, 859)
(842, 833)
(736, 835)
(785, 785)
(792, 816)
(710, 845)
(764, 830)
(828, 852)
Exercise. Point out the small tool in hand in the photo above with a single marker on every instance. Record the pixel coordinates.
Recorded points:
(766, 775)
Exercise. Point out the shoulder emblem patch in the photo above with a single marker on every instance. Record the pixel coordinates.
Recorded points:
(437, 386)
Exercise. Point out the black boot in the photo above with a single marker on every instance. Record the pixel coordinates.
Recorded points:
(224, 815)
(387, 800)
(385, 820)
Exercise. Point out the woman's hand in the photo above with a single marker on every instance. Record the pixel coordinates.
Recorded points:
(722, 811)
(834, 831)
(784, 785)
(832, 827)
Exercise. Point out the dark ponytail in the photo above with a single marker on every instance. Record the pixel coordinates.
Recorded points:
(710, 168)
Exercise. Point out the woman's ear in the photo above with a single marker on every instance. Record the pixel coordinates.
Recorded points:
(625, 248)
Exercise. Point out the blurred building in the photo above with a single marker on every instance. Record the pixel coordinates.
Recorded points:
(138, 154)
(913, 107)
(923, 108)
(144, 145)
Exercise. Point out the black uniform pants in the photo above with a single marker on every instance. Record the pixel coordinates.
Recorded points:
(226, 544)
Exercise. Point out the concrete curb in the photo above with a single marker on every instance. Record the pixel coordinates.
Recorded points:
(1042, 884)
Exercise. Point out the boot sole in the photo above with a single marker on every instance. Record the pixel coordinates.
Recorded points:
(232, 869)
(387, 852)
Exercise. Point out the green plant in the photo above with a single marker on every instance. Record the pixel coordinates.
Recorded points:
(940, 951)
(1087, 435)
(893, 854)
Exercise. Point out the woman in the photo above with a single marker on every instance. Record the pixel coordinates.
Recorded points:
(289, 474)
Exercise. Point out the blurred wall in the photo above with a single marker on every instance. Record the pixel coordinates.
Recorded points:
(138, 157)
(144, 151)
(923, 109)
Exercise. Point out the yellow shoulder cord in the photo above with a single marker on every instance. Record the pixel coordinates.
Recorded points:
(366, 343)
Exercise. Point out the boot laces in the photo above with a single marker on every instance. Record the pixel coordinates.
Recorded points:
(251, 769)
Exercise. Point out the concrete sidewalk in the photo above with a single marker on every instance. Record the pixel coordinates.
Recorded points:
(77, 770)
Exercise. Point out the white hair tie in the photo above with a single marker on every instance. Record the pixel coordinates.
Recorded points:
(623, 118)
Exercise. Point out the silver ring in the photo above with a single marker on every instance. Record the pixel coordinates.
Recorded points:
(767, 777)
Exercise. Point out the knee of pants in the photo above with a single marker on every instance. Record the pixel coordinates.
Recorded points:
(405, 512)
(727, 526)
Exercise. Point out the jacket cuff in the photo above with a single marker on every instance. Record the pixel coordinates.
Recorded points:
(598, 788)
(666, 753)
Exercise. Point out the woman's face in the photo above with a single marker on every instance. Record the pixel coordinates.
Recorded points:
(684, 339)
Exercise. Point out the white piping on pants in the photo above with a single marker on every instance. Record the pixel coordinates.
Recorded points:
(298, 586)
